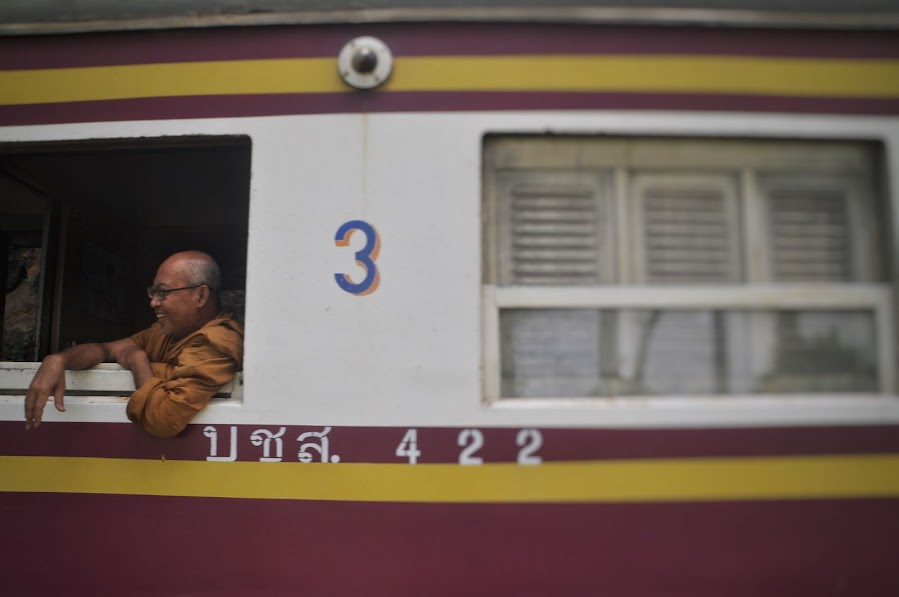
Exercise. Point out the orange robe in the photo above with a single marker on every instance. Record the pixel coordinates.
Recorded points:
(187, 373)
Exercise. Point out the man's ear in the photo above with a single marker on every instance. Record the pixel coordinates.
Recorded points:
(203, 296)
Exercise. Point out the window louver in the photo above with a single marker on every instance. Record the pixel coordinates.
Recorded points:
(557, 234)
(810, 235)
(688, 236)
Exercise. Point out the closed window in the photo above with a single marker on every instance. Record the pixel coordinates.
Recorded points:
(653, 267)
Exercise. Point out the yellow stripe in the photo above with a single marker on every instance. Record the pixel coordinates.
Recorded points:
(802, 77)
(308, 75)
(658, 74)
(668, 480)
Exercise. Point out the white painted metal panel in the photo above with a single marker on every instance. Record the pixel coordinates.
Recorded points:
(410, 353)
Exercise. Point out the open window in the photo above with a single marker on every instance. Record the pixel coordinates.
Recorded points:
(84, 225)
(659, 267)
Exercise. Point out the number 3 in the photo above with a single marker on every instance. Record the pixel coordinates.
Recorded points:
(365, 258)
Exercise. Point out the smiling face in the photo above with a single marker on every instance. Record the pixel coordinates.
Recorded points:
(184, 311)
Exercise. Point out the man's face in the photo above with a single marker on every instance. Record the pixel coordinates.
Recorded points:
(178, 313)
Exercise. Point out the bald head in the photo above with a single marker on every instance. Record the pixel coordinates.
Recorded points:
(197, 268)
(193, 280)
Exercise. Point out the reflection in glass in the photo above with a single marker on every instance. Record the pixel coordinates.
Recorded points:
(21, 305)
(591, 353)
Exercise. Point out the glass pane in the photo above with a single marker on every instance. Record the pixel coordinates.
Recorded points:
(593, 353)
(20, 319)
(550, 353)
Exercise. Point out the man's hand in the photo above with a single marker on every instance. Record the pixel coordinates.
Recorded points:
(131, 357)
(128, 356)
(50, 380)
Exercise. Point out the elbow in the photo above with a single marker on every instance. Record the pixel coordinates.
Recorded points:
(164, 423)
(164, 430)
(165, 412)
(159, 420)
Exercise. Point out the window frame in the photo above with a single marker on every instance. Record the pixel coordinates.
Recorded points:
(105, 379)
(753, 291)
(109, 382)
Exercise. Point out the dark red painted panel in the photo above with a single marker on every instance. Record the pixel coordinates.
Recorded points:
(378, 444)
(132, 545)
(436, 39)
(236, 106)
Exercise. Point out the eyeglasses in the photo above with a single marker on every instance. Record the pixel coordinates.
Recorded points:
(161, 293)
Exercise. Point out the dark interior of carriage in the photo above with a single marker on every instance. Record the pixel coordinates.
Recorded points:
(84, 225)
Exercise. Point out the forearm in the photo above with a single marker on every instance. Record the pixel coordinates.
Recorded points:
(50, 379)
(83, 356)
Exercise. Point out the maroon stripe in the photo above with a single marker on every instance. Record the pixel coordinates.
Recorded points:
(235, 106)
(135, 545)
(441, 444)
(407, 39)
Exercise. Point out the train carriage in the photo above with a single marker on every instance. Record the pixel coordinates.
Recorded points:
(538, 300)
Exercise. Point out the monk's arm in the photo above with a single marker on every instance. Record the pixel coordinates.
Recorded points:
(50, 379)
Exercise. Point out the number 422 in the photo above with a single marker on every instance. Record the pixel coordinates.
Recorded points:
(472, 440)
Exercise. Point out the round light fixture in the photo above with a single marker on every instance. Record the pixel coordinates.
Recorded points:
(365, 62)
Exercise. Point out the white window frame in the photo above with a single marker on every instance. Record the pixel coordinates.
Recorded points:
(754, 293)
(873, 297)
(109, 382)
(104, 380)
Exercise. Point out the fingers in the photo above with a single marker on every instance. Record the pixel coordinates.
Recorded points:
(29, 408)
(59, 396)
(47, 382)
(39, 411)
(34, 408)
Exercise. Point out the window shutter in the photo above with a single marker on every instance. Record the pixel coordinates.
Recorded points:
(689, 231)
(557, 231)
(810, 235)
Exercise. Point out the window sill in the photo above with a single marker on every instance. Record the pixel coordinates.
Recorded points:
(730, 410)
(105, 380)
